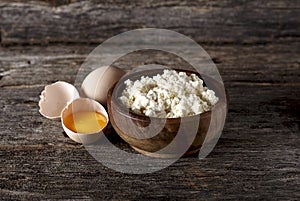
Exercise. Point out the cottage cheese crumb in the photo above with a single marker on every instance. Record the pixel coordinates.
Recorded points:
(170, 95)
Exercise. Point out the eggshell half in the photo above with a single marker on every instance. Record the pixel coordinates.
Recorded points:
(78, 105)
(99, 81)
(55, 97)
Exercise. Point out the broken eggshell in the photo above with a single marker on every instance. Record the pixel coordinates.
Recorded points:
(61, 99)
(55, 97)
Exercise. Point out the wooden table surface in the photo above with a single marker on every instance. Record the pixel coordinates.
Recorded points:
(256, 47)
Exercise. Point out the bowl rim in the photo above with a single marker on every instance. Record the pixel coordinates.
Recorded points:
(141, 117)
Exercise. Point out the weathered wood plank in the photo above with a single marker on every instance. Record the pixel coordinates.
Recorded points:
(226, 21)
(157, 3)
(260, 64)
(228, 173)
(257, 156)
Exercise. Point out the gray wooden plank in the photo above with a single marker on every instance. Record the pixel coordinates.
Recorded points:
(226, 21)
(271, 64)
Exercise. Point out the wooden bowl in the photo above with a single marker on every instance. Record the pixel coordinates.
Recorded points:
(156, 136)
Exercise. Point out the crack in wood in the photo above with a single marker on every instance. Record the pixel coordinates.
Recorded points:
(3, 74)
(216, 60)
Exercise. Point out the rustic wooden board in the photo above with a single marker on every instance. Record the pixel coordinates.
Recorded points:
(256, 47)
(225, 21)
(257, 156)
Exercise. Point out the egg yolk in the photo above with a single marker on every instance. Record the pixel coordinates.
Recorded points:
(85, 122)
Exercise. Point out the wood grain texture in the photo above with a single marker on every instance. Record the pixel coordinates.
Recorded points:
(257, 156)
(226, 21)
(256, 47)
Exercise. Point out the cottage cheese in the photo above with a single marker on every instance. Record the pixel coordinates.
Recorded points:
(170, 95)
